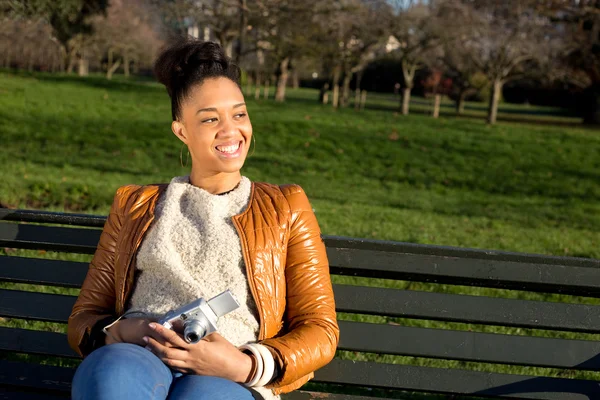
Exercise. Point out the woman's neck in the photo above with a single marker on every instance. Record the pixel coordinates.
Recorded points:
(215, 184)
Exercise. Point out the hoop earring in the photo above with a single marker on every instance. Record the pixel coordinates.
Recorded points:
(253, 146)
(187, 157)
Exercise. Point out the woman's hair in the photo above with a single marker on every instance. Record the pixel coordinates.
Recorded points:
(186, 63)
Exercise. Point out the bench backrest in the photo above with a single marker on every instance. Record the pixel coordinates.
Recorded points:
(412, 317)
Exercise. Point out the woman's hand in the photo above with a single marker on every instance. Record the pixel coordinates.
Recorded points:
(211, 356)
(129, 330)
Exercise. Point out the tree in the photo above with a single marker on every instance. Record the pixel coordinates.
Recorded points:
(355, 31)
(458, 60)
(284, 30)
(68, 18)
(508, 38)
(417, 34)
(227, 20)
(125, 36)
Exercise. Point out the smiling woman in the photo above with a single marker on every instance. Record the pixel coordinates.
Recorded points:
(165, 246)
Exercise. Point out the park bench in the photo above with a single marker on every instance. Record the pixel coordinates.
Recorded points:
(452, 325)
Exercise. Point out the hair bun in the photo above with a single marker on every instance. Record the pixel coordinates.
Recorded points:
(189, 61)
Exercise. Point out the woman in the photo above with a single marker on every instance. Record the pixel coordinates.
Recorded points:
(164, 246)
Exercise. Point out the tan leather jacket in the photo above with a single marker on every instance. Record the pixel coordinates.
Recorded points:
(286, 265)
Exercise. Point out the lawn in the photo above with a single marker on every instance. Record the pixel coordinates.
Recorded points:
(69, 143)
(531, 186)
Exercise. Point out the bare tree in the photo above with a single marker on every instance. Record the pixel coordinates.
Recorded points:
(68, 18)
(506, 37)
(416, 34)
(125, 36)
(285, 30)
(355, 33)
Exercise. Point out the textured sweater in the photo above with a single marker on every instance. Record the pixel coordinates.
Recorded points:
(193, 250)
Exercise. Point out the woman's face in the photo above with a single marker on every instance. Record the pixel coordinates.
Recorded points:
(216, 127)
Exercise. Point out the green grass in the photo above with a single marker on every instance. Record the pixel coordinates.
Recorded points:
(532, 186)
(69, 143)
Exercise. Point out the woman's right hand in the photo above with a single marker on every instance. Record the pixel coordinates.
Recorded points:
(129, 330)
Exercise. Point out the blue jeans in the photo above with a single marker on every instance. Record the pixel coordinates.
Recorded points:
(130, 372)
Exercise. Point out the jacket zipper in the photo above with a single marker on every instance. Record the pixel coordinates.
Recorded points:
(261, 331)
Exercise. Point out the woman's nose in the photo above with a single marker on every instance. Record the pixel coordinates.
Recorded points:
(227, 127)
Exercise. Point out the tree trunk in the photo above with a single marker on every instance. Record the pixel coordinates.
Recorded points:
(266, 92)
(84, 67)
(283, 78)
(111, 67)
(436, 105)
(257, 87)
(324, 94)
(248, 84)
(406, 100)
(83, 64)
(460, 102)
(71, 64)
(357, 90)
(363, 99)
(126, 63)
(494, 101)
(337, 72)
(295, 79)
(346, 89)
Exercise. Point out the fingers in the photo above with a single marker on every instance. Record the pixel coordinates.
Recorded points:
(164, 335)
(166, 353)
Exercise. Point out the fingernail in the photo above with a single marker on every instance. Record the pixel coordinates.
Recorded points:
(152, 325)
(145, 339)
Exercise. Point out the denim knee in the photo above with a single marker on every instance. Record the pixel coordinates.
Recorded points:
(199, 387)
(121, 371)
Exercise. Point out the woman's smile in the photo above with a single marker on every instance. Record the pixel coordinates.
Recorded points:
(230, 149)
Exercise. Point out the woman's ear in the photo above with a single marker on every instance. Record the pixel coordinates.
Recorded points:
(179, 131)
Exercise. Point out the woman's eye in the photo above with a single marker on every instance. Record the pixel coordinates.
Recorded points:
(241, 115)
(209, 120)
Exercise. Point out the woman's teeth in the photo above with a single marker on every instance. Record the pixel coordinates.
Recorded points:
(229, 149)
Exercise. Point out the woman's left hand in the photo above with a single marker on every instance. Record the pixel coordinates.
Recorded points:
(211, 356)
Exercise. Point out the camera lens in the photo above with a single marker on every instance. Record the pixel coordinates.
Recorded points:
(193, 331)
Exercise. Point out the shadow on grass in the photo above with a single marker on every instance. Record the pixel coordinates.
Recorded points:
(118, 83)
(524, 116)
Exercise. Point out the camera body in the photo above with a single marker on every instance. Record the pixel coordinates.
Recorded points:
(199, 318)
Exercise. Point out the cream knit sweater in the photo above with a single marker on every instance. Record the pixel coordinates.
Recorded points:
(193, 250)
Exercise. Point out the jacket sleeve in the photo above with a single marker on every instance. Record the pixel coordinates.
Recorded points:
(95, 306)
(312, 330)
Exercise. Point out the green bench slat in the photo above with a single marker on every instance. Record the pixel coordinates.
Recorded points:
(53, 238)
(35, 342)
(469, 346)
(346, 244)
(543, 275)
(39, 271)
(376, 301)
(455, 381)
(51, 217)
(35, 306)
(470, 309)
(48, 378)
(397, 340)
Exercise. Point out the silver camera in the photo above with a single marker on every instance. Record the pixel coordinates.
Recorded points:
(199, 318)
